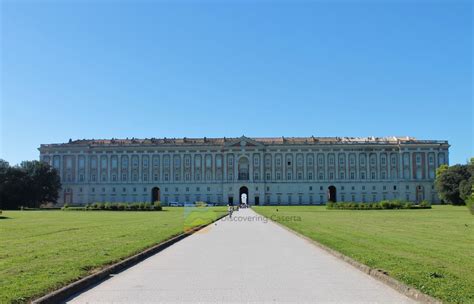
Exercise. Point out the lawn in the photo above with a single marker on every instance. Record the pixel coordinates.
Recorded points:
(432, 249)
(43, 250)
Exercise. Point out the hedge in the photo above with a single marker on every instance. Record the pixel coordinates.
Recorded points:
(139, 206)
(382, 205)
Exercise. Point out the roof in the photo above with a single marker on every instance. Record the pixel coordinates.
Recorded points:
(259, 140)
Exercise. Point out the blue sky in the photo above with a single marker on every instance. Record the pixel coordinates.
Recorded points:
(102, 69)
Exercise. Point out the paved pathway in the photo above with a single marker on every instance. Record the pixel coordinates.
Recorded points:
(241, 262)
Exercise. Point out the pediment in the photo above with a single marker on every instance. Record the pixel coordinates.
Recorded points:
(244, 141)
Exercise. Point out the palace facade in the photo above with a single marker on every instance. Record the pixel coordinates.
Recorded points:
(283, 170)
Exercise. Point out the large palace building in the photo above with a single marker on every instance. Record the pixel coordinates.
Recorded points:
(283, 170)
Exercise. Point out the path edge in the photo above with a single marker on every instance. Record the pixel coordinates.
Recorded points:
(64, 293)
(378, 274)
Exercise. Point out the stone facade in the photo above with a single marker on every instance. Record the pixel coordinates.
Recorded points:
(309, 170)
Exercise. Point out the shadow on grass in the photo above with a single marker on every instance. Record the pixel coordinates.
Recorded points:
(4, 218)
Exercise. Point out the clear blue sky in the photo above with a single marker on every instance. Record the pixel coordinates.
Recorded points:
(102, 69)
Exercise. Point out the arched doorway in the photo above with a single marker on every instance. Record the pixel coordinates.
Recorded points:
(155, 194)
(332, 194)
(244, 195)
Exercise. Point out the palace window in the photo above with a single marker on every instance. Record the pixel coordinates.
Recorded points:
(278, 176)
(310, 175)
(321, 176)
(372, 176)
(114, 177)
(278, 161)
(81, 177)
(331, 175)
(362, 175)
(255, 176)
(114, 162)
(268, 176)
(352, 175)
(300, 175)
(93, 177)
(288, 175)
(341, 175)
(155, 177)
(310, 161)
(167, 177)
(124, 177)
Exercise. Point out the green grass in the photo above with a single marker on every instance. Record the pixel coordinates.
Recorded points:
(431, 249)
(44, 250)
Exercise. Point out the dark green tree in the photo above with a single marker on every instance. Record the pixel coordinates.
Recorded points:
(448, 183)
(30, 184)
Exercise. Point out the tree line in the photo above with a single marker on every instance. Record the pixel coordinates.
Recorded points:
(454, 184)
(29, 184)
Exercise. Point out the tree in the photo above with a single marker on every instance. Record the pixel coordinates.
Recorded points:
(465, 187)
(29, 184)
(450, 183)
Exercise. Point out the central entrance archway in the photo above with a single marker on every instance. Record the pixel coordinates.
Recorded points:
(332, 194)
(155, 194)
(244, 195)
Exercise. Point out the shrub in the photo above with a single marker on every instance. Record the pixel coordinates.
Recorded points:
(157, 206)
(425, 204)
(200, 204)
